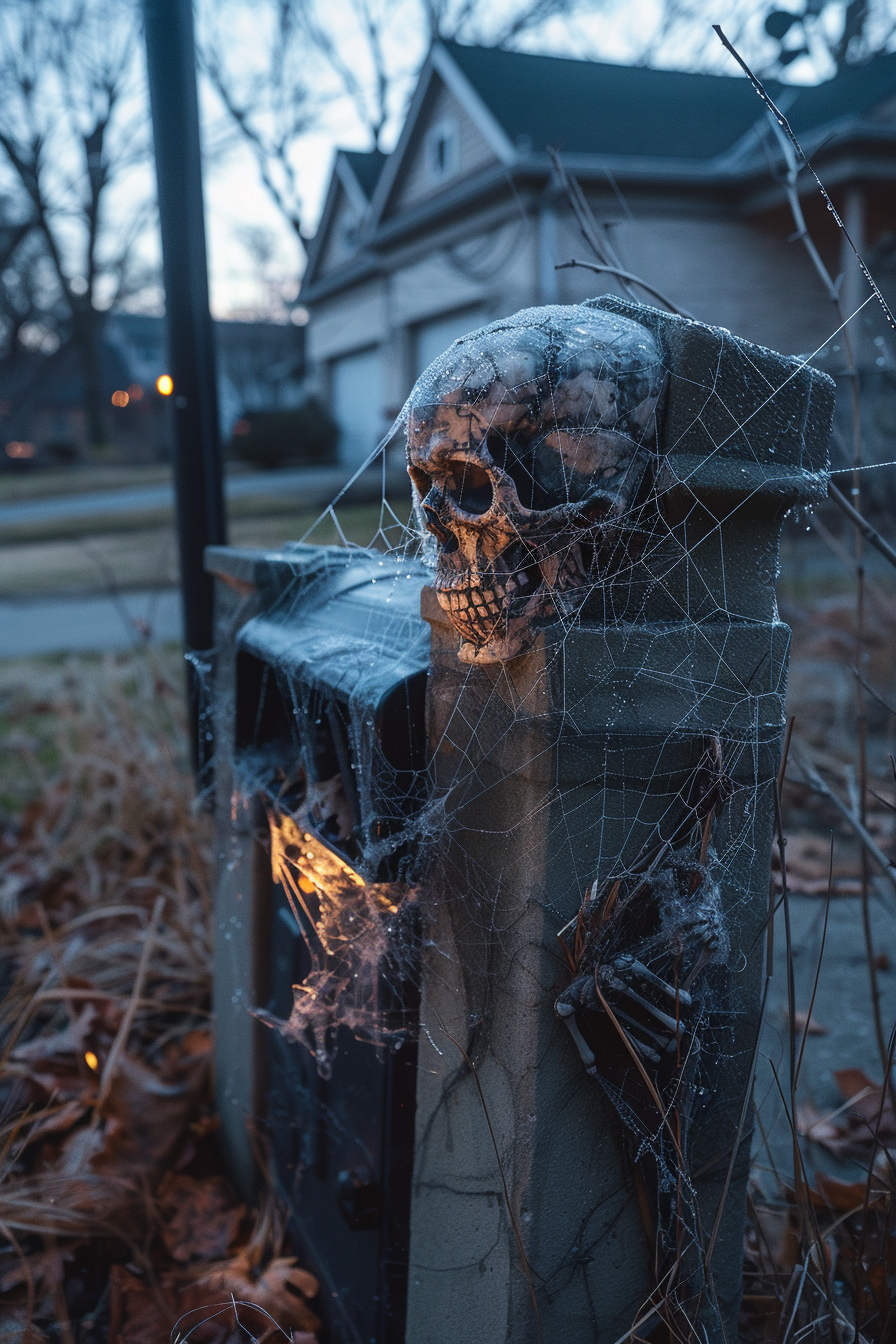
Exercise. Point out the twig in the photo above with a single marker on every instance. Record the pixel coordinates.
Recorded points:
(875, 695)
(785, 125)
(824, 938)
(627, 275)
(814, 779)
(871, 535)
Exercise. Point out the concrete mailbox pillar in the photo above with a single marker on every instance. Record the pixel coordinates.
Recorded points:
(606, 486)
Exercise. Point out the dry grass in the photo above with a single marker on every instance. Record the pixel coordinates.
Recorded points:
(115, 1216)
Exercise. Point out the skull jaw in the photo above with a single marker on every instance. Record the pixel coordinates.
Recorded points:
(509, 636)
(516, 643)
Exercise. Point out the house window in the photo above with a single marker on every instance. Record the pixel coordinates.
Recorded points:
(349, 230)
(442, 150)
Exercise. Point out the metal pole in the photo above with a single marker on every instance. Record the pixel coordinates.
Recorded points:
(201, 516)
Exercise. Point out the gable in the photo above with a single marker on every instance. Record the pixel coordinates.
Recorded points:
(340, 241)
(464, 150)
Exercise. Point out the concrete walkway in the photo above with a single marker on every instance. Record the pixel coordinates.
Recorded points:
(95, 624)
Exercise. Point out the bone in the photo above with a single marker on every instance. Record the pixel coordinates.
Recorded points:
(560, 404)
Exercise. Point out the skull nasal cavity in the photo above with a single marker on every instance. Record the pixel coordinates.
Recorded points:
(468, 486)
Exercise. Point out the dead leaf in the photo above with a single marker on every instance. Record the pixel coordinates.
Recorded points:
(281, 1290)
(200, 1217)
(136, 1315)
(810, 1025)
(844, 1196)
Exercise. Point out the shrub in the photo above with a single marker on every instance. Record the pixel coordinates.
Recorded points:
(305, 435)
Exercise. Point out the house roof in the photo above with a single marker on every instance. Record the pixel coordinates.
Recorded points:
(587, 107)
(708, 132)
(366, 166)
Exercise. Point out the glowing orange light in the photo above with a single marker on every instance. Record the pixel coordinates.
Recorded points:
(19, 450)
(91, 1060)
(165, 385)
(135, 392)
(120, 398)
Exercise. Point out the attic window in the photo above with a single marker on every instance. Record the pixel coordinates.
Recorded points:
(349, 231)
(442, 150)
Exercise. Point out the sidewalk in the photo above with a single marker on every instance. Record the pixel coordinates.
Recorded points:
(88, 624)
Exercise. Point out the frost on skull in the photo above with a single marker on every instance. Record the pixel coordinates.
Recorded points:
(528, 442)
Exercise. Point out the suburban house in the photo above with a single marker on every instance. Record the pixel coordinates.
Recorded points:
(467, 219)
(260, 368)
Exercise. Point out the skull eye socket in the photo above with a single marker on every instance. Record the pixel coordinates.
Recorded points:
(468, 487)
(422, 481)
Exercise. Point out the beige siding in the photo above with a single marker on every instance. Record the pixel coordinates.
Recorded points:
(415, 181)
(493, 269)
(347, 322)
(729, 273)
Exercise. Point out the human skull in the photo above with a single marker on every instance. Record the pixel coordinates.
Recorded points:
(527, 442)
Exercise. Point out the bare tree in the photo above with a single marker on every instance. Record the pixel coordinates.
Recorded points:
(842, 34)
(307, 54)
(73, 129)
(261, 84)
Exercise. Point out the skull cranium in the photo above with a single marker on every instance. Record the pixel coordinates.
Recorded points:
(527, 442)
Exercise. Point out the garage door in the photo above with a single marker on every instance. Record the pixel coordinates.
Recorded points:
(357, 388)
(434, 337)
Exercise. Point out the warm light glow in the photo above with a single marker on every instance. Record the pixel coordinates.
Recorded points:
(135, 392)
(165, 385)
(120, 398)
(20, 450)
(318, 868)
(91, 1060)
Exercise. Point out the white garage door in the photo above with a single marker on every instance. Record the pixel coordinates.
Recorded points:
(357, 388)
(434, 337)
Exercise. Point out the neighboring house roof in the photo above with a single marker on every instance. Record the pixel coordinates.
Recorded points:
(703, 132)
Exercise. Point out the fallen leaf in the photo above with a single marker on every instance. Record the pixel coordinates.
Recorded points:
(844, 1196)
(281, 1290)
(810, 1025)
(822, 1129)
(200, 1217)
(136, 1316)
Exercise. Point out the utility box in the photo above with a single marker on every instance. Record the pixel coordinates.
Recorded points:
(321, 669)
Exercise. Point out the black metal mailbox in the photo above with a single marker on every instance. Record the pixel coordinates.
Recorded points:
(327, 657)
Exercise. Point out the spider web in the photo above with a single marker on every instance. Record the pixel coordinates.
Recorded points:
(602, 743)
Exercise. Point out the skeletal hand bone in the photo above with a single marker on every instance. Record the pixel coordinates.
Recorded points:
(527, 442)
(652, 1013)
(652, 1004)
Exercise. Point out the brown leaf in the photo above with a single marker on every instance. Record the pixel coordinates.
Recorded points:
(280, 1290)
(136, 1316)
(864, 1099)
(200, 1217)
(843, 1196)
(820, 1129)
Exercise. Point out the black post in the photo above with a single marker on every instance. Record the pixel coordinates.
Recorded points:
(201, 516)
